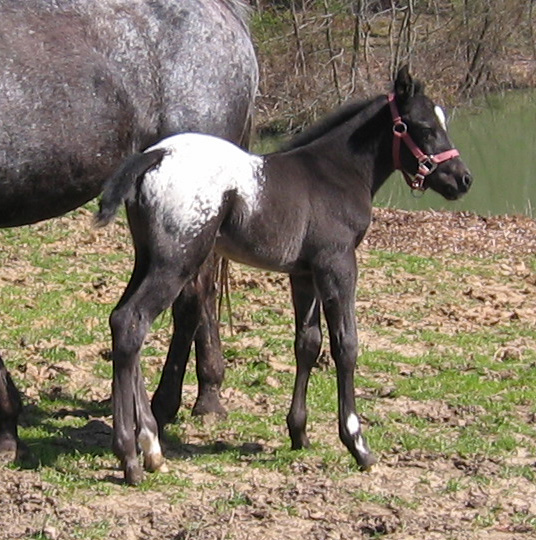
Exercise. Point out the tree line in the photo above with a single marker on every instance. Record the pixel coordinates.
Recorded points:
(317, 53)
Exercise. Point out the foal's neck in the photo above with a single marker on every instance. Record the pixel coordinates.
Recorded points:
(356, 153)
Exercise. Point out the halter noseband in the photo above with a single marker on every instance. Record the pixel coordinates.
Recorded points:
(427, 163)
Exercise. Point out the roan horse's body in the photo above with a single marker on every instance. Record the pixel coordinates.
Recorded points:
(85, 83)
(302, 211)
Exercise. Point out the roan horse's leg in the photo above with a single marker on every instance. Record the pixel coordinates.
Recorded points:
(336, 286)
(307, 349)
(10, 408)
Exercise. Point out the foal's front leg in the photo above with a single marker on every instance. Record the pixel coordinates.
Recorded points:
(307, 349)
(336, 286)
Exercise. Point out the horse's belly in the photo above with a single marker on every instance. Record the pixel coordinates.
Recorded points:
(38, 184)
(268, 255)
(37, 197)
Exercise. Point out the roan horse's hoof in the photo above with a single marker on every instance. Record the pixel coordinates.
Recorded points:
(13, 450)
(8, 454)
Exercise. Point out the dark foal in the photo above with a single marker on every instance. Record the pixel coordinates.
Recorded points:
(302, 211)
(85, 84)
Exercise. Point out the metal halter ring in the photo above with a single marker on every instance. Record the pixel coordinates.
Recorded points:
(400, 129)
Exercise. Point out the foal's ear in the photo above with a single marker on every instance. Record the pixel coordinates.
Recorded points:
(405, 86)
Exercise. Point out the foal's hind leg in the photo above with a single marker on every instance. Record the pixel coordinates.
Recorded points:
(306, 348)
(156, 289)
(209, 359)
(146, 428)
(194, 313)
(167, 397)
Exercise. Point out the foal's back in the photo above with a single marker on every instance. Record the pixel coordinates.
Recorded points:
(197, 176)
(199, 186)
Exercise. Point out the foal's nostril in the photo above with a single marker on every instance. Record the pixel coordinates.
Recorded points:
(467, 180)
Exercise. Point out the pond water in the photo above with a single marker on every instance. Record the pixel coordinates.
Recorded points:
(497, 141)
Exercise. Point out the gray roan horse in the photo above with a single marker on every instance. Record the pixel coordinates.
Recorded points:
(85, 83)
(302, 211)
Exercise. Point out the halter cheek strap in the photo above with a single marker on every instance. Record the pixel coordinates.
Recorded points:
(427, 163)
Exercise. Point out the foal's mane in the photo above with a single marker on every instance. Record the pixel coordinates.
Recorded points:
(333, 120)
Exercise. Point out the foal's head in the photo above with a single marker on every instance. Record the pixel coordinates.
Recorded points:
(423, 151)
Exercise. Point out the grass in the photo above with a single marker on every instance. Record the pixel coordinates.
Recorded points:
(429, 380)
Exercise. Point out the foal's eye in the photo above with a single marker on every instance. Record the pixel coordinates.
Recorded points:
(427, 133)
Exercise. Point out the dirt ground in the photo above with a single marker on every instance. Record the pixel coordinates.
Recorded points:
(407, 493)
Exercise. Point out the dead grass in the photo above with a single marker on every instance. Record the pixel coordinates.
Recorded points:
(444, 300)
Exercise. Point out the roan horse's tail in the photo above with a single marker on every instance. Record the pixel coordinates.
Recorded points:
(121, 184)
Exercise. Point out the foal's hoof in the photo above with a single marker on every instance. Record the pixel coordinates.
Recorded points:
(366, 461)
(299, 442)
(133, 474)
(8, 450)
(209, 404)
(362, 454)
(154, 463)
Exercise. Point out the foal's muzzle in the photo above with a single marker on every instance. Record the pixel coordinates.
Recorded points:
(452, 180)
(465, 182)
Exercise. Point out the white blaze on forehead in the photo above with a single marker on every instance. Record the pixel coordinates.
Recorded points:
(352, 423)
(190, 183)
(441, 116)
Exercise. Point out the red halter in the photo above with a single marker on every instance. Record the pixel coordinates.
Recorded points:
(427, 163)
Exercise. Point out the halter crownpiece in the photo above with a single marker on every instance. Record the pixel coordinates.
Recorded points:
(427, 163)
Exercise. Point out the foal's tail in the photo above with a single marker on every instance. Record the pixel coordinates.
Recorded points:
(121, 184)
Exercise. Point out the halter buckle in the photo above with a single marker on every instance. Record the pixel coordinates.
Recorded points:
(426, 165)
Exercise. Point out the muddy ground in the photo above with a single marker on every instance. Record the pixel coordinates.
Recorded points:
(407, 495)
